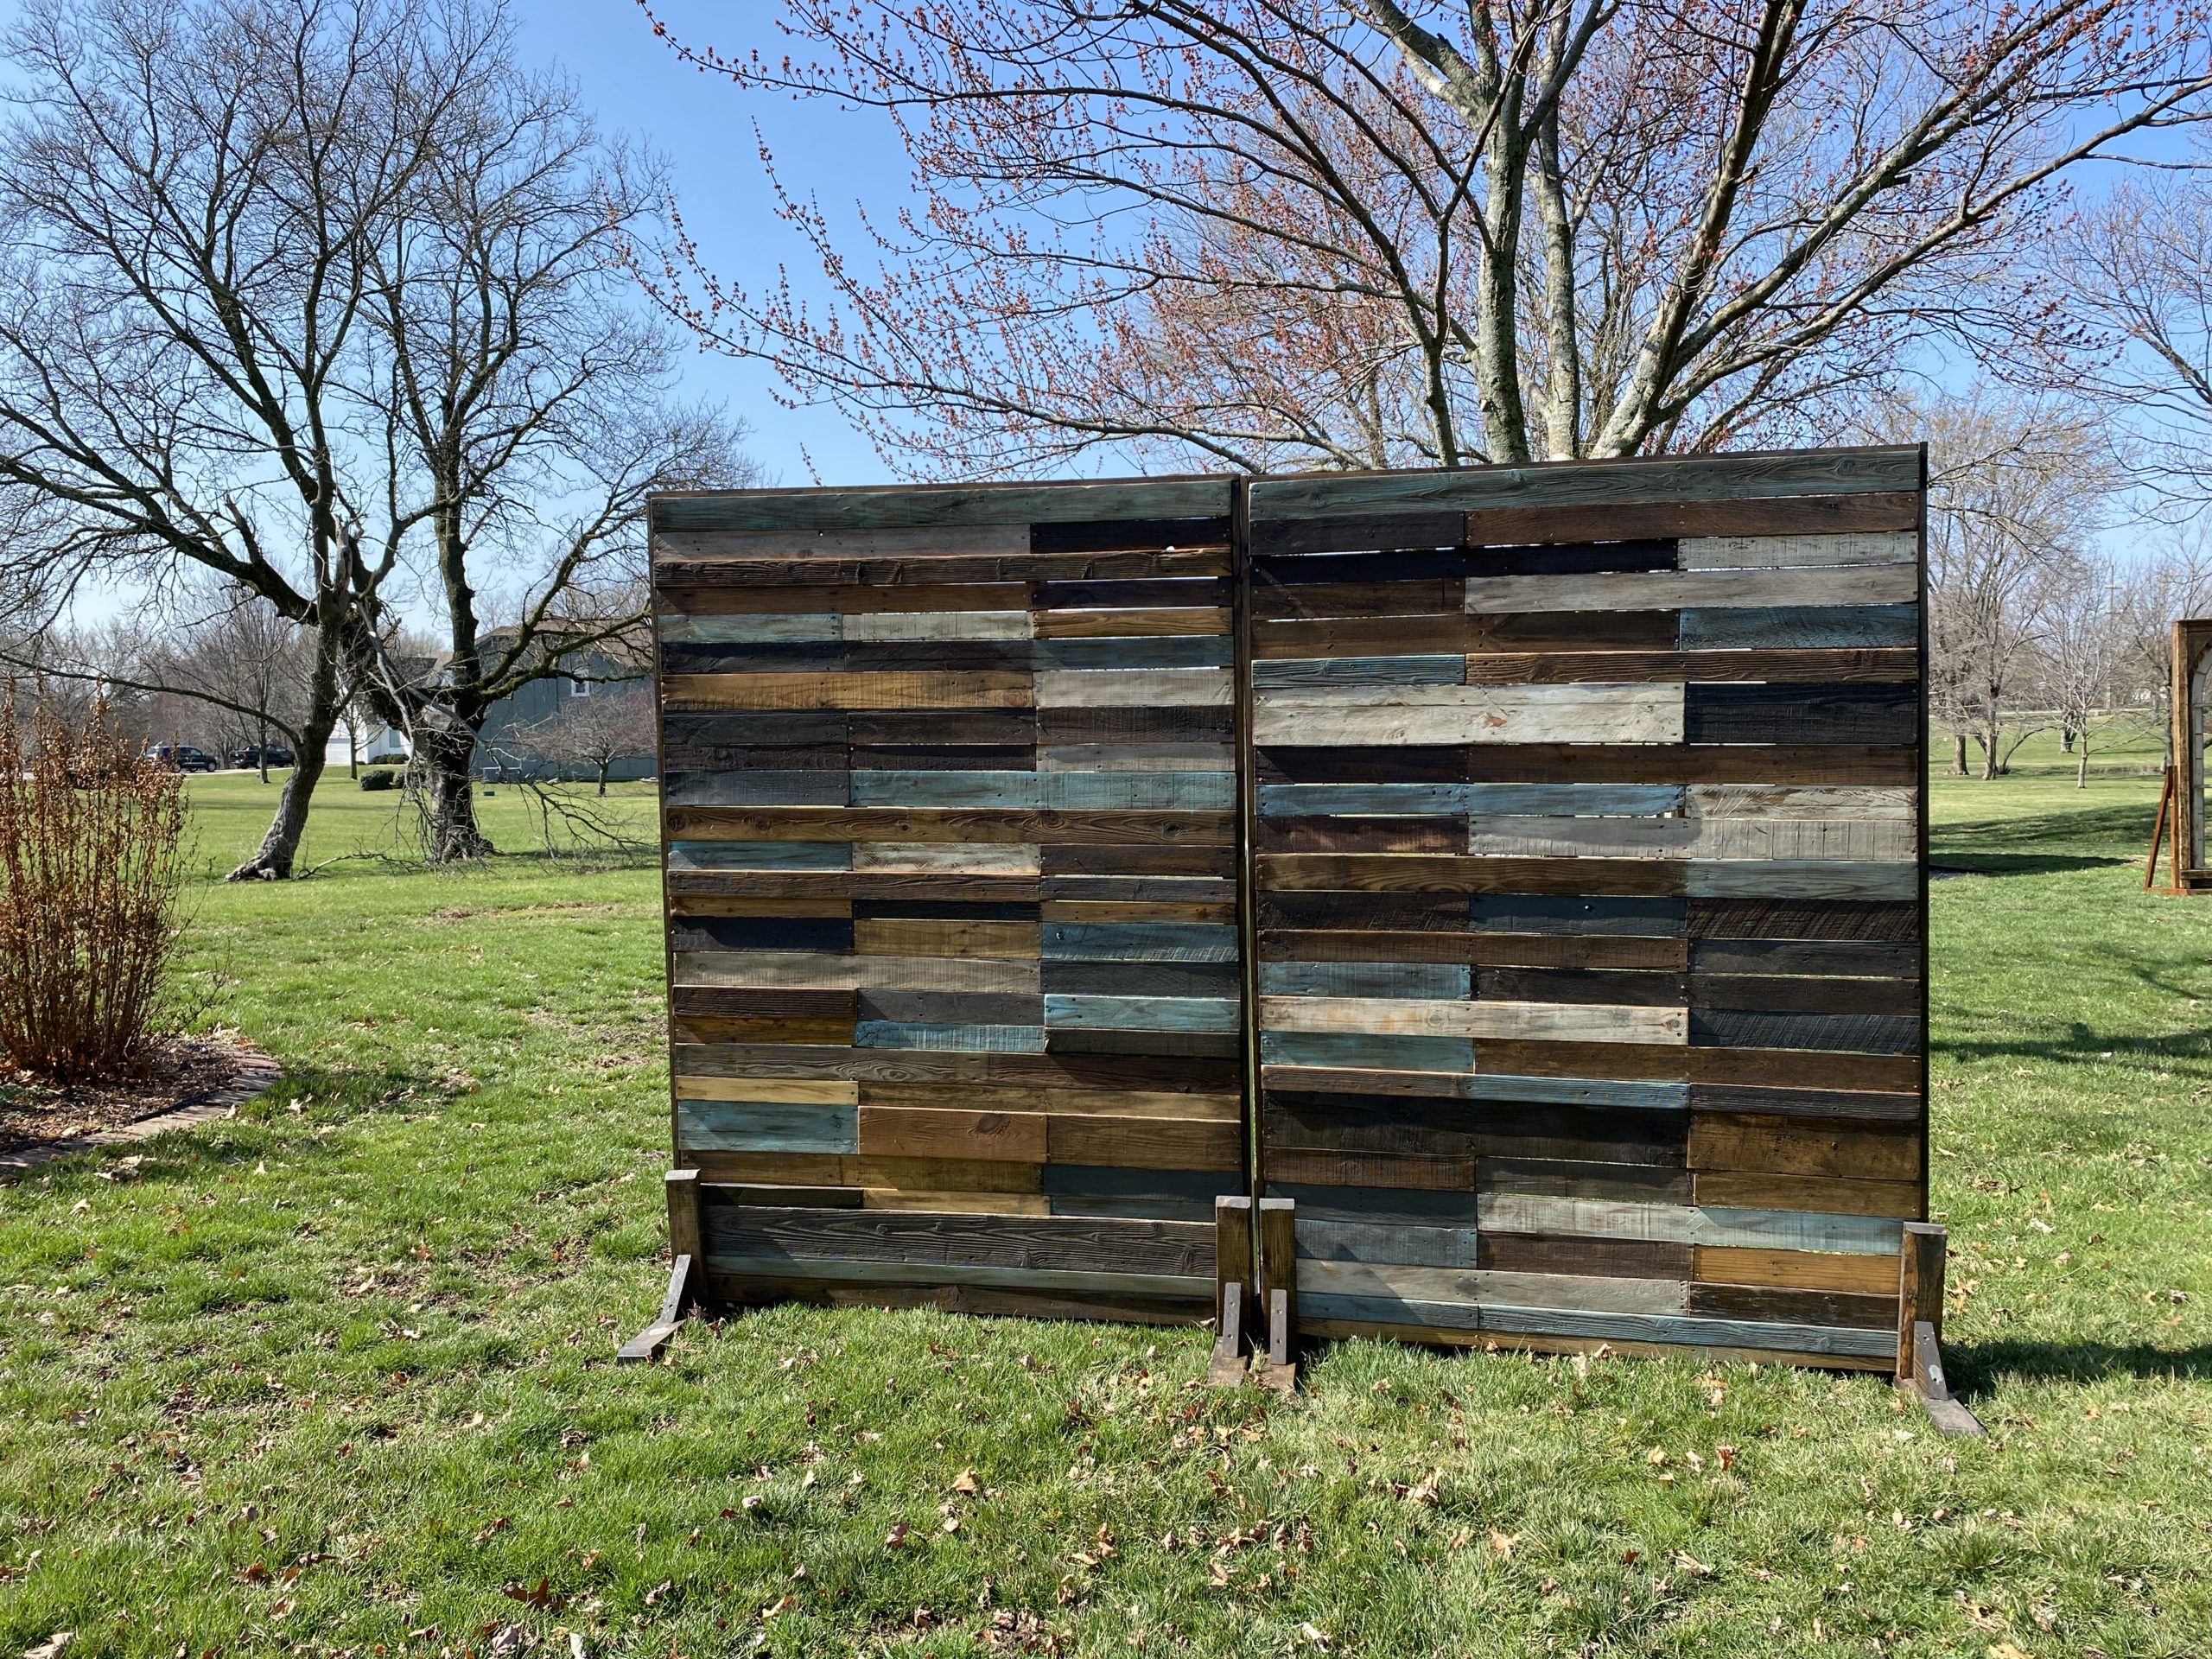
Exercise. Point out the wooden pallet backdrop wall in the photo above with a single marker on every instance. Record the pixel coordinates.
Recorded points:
(1567, 820)
(952, 857)
(1590, 898)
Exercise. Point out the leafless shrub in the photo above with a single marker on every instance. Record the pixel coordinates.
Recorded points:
(93, 855)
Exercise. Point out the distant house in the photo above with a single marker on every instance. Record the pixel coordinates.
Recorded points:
(566, 726)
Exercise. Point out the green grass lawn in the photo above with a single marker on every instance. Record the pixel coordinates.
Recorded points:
(336, 1377)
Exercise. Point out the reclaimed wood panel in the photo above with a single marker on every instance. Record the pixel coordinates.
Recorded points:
(1667, 824)
(951, 798)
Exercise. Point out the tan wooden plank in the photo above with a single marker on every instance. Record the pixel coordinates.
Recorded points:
(1133, 624)
(981, 689)
(1637, 712)
(900, 1132)
(1858, 664)
(1797, 552)
(1097, 911)
(1873, 841)
(1057, 826)
(903, 937)
(957, 1203)
(1588, 1022)
(887, 626)
(1860, 1276)
(1136, 688)
(787, 1091)
(1750, 1189)
(834, 972)
(839, 599)
(1144, 1142)
(1668, 590)
(923, 859)
(1780, 1146)
(1800, 801)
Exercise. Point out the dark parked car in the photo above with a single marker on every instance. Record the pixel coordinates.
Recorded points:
(248, 758)
(183, 757)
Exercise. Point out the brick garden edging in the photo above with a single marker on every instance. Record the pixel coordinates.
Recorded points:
(255, 1073)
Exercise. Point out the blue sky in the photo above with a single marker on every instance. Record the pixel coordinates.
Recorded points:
(704, 126)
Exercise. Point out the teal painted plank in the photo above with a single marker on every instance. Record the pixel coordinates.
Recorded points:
(1578, 1091)
(1415, 979)
(1362, 800)
(1281, 674)
(1412, 1246)
(1084, 791)
(796, 629)
(1361, 1050)
(1159, 1285)
(1146, 650)
(1801, 877)
(1441, 800)
(759, 855)
(1799, 628)
(1139, 942)
(1800, 1230)
(1142, 1013)
(746, 787)
(753, 1126)
(963, 1040)
(1575, 800)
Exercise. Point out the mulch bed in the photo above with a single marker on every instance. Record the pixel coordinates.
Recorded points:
(189, 1080)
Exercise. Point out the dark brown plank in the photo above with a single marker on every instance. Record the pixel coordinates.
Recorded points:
(1797, 515)
(1556, 667)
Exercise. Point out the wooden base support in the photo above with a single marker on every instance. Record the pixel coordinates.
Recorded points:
(1232, 1289)
(1278, 1258)
(1920, 1324)
(687, 1277)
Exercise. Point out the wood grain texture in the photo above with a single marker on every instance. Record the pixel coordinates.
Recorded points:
(1388, 716)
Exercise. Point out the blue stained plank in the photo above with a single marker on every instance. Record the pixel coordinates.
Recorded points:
(795, 629)
(1579, 1091)
(1799, 628)
(1800, 1230)
(1575, 800)
(1526, 912)
(1140, 942)
(1430, 980)
(1408, 1247)
(965, 1039)
(754, 1125)
(759, 855)
(1141, 1013)
(1362, 800)
(1281, 674)
(1152, 651)
(1360, 1049)
(1187, 791)
(745, 787)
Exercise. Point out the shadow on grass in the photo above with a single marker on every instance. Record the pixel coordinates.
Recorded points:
(1972, 1369)
(2096, 835)
(1951, 861)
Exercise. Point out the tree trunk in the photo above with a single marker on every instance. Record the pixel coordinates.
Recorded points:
(1989, 740)
(605, 766)
(261, 749)
(2081, 764)
(1958, 754)
(281, 846)
(2066, 740)
(441, 771)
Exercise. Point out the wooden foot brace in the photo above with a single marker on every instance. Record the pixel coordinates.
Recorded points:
(685, 1279)
(1919, 1323)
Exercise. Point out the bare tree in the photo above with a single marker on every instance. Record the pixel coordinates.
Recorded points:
(1272, 234)
(189, 190)
(592, 732)
(2015, 487)
(2081, 670)
(310, 295)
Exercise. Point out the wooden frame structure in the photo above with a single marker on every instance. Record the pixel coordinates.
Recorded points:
(1481, 906)
(2182, 819)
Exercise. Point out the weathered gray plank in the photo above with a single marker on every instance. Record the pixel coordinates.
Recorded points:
(1580, 713)
(1671, 590)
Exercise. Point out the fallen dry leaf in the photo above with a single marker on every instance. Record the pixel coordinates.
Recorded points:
(966, 1484)
(52, 1646)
